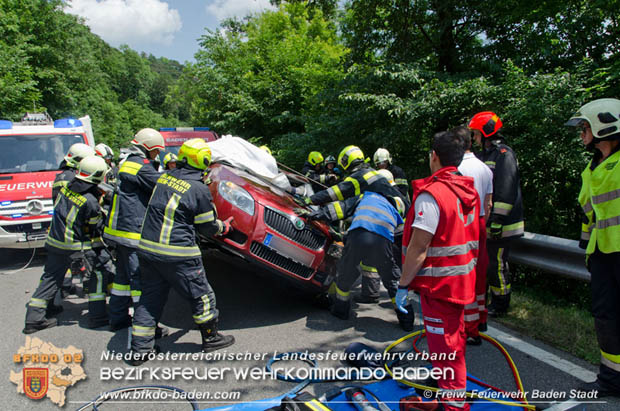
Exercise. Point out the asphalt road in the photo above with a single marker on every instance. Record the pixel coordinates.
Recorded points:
(263, 315)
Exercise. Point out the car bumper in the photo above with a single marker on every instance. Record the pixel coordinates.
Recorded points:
(24, 235)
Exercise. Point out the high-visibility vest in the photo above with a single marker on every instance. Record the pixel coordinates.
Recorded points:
(449, 270)
(603, 186)
(374, 213)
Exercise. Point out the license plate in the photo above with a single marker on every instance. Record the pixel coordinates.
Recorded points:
(36, 226)
(267, 239)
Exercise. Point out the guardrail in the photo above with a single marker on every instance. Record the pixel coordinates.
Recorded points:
(552, 254)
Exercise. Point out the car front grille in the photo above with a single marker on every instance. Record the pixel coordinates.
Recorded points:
(274, 258)
(283, 225)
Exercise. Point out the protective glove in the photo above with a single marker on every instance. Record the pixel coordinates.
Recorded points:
(495, 231)
(307, 201)
(227, 227)
(401, 300)
(302, 212)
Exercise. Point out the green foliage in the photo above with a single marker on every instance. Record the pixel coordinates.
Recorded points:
(50, 61)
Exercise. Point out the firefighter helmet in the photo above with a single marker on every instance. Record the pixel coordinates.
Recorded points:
(196, 153)
(77, 153)
(388, 176)
(149, 139)
(170, 157)
(330, 160)
(350, 156)
(103, 150)
(603, 115)
(265, 148)
(381, 155)
(92, 169)
(315, 158)
(487, 122)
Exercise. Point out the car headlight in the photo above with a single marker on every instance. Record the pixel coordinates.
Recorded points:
(236, 196)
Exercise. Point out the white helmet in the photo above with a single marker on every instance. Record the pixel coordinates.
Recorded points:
(149, 139)
(92, 170)
(603, 115)
(387, 175)
(103, 150)
(382, 155)
(77, 153)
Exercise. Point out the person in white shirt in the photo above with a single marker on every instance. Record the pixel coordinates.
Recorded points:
(471, 166)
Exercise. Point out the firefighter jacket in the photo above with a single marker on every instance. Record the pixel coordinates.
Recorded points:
(600, 200)
(62, 179)
(507, 207)
(77, 218)
(181, 204)
(137, 177)
(361, 180)
(449, 270)
(370, 211)
(320, 176)
(400, 179)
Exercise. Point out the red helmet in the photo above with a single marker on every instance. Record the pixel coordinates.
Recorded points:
(487, 122)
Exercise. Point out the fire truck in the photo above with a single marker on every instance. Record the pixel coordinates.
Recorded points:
(30, 154)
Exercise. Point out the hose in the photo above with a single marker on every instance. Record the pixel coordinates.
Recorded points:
(103, 397)
(34, 250)
(522, 404)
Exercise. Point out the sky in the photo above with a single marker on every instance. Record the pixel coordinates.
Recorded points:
(164, 28)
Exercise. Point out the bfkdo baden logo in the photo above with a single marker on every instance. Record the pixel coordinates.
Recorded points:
(35, 382)
(48, 371)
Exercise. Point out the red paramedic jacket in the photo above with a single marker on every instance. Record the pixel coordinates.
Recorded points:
(449, 270)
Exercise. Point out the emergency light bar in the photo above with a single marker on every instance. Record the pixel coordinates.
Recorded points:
(6, 125)
(184, 129)
(69, 122)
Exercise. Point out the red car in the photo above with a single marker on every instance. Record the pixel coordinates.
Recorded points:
(266, 229)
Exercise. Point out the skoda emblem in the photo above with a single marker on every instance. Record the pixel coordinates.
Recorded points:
(34, 207)
(299, 223)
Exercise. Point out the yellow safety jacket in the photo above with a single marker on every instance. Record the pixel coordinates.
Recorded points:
(600, 198)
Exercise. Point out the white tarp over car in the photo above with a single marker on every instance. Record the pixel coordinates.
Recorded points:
(242, 154)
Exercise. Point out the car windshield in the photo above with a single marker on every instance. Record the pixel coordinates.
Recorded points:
(28, 153)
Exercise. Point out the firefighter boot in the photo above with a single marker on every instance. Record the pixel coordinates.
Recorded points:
(41, 325)
(341, 308)
(499, 305)
(211, 339)
(406, 320)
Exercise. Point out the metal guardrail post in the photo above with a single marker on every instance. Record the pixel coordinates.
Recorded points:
(552, 254)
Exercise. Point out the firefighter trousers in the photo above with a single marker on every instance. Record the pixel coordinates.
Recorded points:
(371, 281)
(54, 272)
(373, 250)
(126, 286)
(187, 278)
(99, 277)
(605, 286)
(498, 273)
(445, 334)
(476, 312)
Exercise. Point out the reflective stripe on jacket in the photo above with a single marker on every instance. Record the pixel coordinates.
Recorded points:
(603, 186)
(374, 213)
(181, 204)
(137, 178)
(449, 270)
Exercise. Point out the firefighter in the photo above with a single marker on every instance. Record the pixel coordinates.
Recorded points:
(599, 123)
(334, 173)
(104, 151)
(170, 161)
(383, 160)
(181, 207)
(441, 240)
(137, 178)
(76, 221)
(476, 313)
(314, 170)
(505, 222)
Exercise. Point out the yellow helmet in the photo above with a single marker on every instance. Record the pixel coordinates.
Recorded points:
(264, 147)
(315, 158)
(196, 153)
(350, 155)
(168, 158)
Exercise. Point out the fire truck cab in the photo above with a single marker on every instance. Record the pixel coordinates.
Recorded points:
(30, 154)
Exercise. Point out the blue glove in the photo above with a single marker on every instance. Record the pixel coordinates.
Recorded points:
(401, 299)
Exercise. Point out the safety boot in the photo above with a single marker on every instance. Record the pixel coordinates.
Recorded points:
(340, 308)
(139, 358)
(211, 339)
(406, 320)
(365, 299)
(126, 323)
(161, 332)
(53, 310)
(41, 325)
(499, 305)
